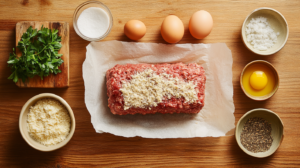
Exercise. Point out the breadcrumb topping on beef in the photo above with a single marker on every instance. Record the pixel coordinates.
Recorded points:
(155, 88)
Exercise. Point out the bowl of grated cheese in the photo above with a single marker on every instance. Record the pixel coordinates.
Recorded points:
(265, 31)
(47, 122)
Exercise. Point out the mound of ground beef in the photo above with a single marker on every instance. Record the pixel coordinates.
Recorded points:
(189, 75)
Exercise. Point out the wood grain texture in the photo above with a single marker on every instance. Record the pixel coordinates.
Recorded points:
(89, 149)
(59, 80)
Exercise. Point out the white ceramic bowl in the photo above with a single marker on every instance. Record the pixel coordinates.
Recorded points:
(277, 23)
(23, 123)
(277, 130)
(276, 75)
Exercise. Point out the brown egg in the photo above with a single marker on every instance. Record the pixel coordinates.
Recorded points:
(201, 24)
(172, 29)
(135, 29)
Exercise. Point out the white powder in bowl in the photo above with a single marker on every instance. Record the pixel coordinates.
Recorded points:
(260, 34)
(93, 22)
(48, 122)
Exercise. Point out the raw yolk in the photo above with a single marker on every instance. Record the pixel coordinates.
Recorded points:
(256, 84)
(258, 80)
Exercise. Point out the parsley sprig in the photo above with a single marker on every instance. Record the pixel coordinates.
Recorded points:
(39, 54)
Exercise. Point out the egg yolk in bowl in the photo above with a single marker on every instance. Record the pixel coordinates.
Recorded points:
(258, 80)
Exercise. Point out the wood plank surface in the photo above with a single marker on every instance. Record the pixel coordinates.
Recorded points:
(89, 149)
(59, 80)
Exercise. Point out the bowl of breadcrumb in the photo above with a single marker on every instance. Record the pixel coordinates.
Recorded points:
(47, 122)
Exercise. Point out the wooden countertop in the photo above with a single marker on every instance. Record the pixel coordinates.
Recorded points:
(88, 148)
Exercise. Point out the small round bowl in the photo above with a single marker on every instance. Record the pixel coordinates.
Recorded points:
(86, 5)
(265, 97)
(277, 130)
(23, 123)
(277, 23)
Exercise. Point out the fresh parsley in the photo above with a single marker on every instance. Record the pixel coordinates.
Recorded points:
(39, 54)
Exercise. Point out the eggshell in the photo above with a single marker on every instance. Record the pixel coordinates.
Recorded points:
(201, 24)
(135, 29)
(172, 29)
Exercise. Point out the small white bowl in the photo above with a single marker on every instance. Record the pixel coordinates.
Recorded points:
(277, 23)
(277, 130)
(23, 123)
(276, 75)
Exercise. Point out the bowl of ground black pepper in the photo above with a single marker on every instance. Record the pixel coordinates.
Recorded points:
(259, 132)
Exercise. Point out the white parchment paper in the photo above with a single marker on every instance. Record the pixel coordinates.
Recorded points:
(215, 119)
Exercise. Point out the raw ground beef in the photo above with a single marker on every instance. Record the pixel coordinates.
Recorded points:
(191, 72)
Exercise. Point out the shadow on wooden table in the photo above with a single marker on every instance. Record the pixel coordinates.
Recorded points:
(18, 152)
(124, 38)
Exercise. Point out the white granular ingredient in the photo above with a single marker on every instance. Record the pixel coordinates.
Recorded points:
(147, 89)
(48, 122)
(93, 22)
(260, 34)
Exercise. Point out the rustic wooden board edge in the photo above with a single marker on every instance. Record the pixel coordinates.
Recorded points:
(66, 57)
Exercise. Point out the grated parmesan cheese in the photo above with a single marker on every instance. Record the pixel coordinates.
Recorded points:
(48, 122)
(147, 89)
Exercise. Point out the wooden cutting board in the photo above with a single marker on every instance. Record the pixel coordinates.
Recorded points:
(60, 80)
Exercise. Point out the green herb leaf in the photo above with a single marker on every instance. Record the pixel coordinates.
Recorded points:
(40, 56)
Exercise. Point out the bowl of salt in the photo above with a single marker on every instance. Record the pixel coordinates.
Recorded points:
(265, 31)
(92, 20)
